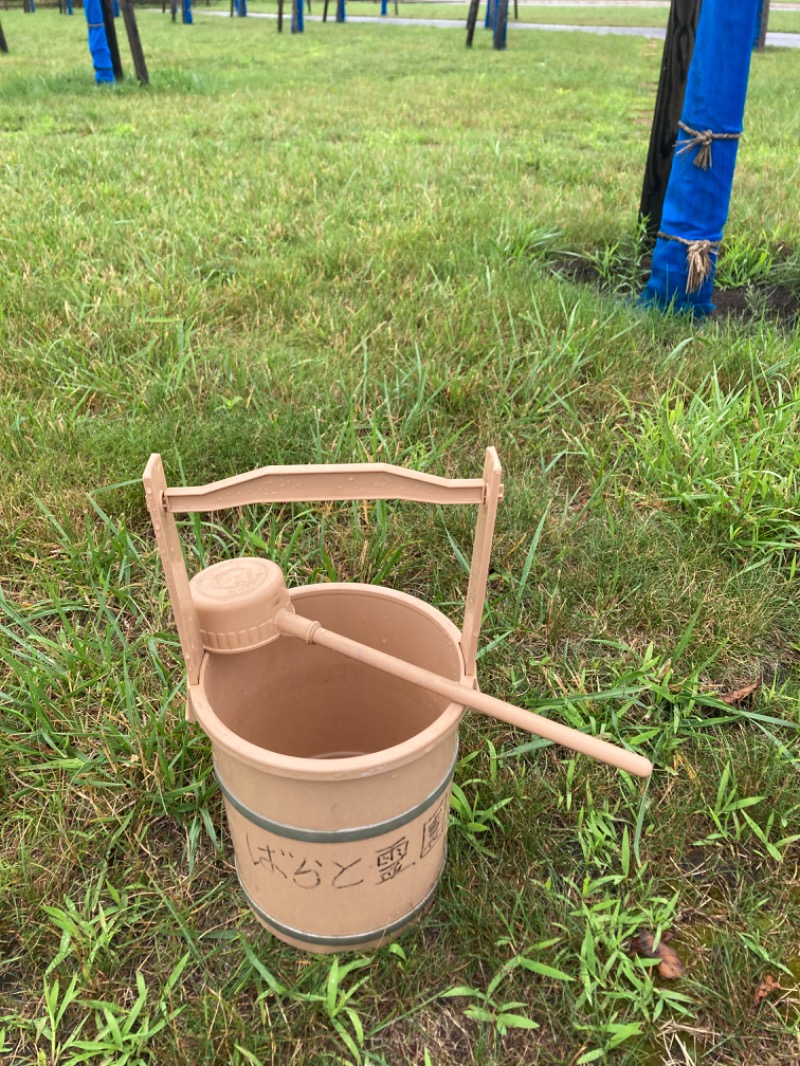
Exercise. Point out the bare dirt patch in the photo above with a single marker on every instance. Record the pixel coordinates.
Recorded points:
(764, 300)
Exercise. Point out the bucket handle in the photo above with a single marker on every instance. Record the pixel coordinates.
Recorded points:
(317, 484)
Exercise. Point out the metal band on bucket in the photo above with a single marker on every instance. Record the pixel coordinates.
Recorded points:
(338, 836)
(354, 940)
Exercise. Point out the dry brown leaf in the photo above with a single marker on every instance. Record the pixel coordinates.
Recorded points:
(739, 695)
(669, 966)
(768, 985)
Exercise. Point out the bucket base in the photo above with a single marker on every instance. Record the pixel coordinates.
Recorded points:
(328, 945)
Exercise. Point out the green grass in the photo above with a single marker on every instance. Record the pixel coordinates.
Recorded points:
(340, 248)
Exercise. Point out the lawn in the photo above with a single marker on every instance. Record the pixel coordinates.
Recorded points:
(374, 245)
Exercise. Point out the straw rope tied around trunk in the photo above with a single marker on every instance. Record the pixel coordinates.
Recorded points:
(701, 139)
(698, 258)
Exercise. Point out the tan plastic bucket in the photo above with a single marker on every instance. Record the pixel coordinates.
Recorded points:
(337, 777)
(336, 774)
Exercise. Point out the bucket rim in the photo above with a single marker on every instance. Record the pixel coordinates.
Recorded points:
(355, 766)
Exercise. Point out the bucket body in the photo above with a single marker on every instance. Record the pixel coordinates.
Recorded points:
(336, 776)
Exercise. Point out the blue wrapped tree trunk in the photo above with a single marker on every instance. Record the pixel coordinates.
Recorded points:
(98, 43)
(699, 189)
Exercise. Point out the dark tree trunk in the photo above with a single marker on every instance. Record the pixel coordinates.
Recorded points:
(761, 27)
(678, 49)
(111, 37)
(129, 17)
(472, 18)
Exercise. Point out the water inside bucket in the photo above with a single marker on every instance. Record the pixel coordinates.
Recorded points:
(339, 754)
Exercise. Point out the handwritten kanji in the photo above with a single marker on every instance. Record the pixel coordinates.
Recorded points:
(432, 830)
(389, 860)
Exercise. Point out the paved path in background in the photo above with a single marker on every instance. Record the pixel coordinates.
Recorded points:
(630, 4)
(777, 40)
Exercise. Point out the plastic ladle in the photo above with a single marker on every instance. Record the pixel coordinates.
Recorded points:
(244, 604)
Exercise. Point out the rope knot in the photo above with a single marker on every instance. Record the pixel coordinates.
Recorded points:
(701, 140)
(698, 259)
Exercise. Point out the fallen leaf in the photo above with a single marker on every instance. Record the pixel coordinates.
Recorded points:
(739, 695)
(768, 985)
(669, 966)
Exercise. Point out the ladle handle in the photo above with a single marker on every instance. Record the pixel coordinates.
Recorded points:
(295, 625)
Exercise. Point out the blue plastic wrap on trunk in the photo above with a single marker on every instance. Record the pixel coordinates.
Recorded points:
(98, 43)
(697, 199)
